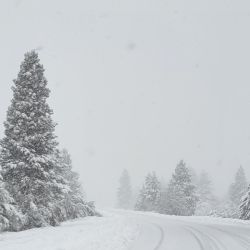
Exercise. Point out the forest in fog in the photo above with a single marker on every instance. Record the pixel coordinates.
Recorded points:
(186, 193)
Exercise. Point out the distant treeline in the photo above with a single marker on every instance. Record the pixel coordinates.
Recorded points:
(186, 194)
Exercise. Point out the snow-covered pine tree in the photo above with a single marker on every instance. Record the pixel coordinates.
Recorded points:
(74, 203)
(28, 148)
(149, 196)
(236, 203)
(135, 194)
(206, 199)
(239, 187)
(140, 203)
(124, 193)
(230, 208)
(180, 197)
(245, 206)
(10, 218)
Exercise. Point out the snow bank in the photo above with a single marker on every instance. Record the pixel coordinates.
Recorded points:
(196, 219)
(111, 232)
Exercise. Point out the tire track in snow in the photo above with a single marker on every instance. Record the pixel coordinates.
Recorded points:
(241, 240)
(196, 238)
(157, 247)
(208, 242)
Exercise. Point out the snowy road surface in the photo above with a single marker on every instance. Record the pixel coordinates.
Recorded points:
(159, 232)
(123, 230)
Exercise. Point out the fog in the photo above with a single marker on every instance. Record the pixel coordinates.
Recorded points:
(138, 84)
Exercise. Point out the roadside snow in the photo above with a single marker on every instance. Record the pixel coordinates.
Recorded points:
(196, 219)
(111, 232)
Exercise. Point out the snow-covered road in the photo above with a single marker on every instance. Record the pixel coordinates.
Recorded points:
(127, 230)
(159, 232)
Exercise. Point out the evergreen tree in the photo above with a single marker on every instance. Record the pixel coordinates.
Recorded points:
(238, 188)
(232, 206)
(149, 196)
(30, 170)
(179, 198)
(124, 194)
(204, 188)
(135, 194)
(140, 203)
(245, 206)
(74, 203)
(206, 199)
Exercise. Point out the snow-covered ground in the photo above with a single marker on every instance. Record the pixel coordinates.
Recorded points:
(110, 232)
(127, 230)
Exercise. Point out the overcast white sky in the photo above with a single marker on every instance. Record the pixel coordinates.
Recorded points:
(138, 84)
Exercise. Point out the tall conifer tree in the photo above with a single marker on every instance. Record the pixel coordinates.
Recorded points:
(239, 187)
(29, 168)
(74, 201)
(124, 194)
(179, 197)
(149, 196)
(206, 199)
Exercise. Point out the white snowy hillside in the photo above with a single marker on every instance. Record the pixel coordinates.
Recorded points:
(127, 230)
